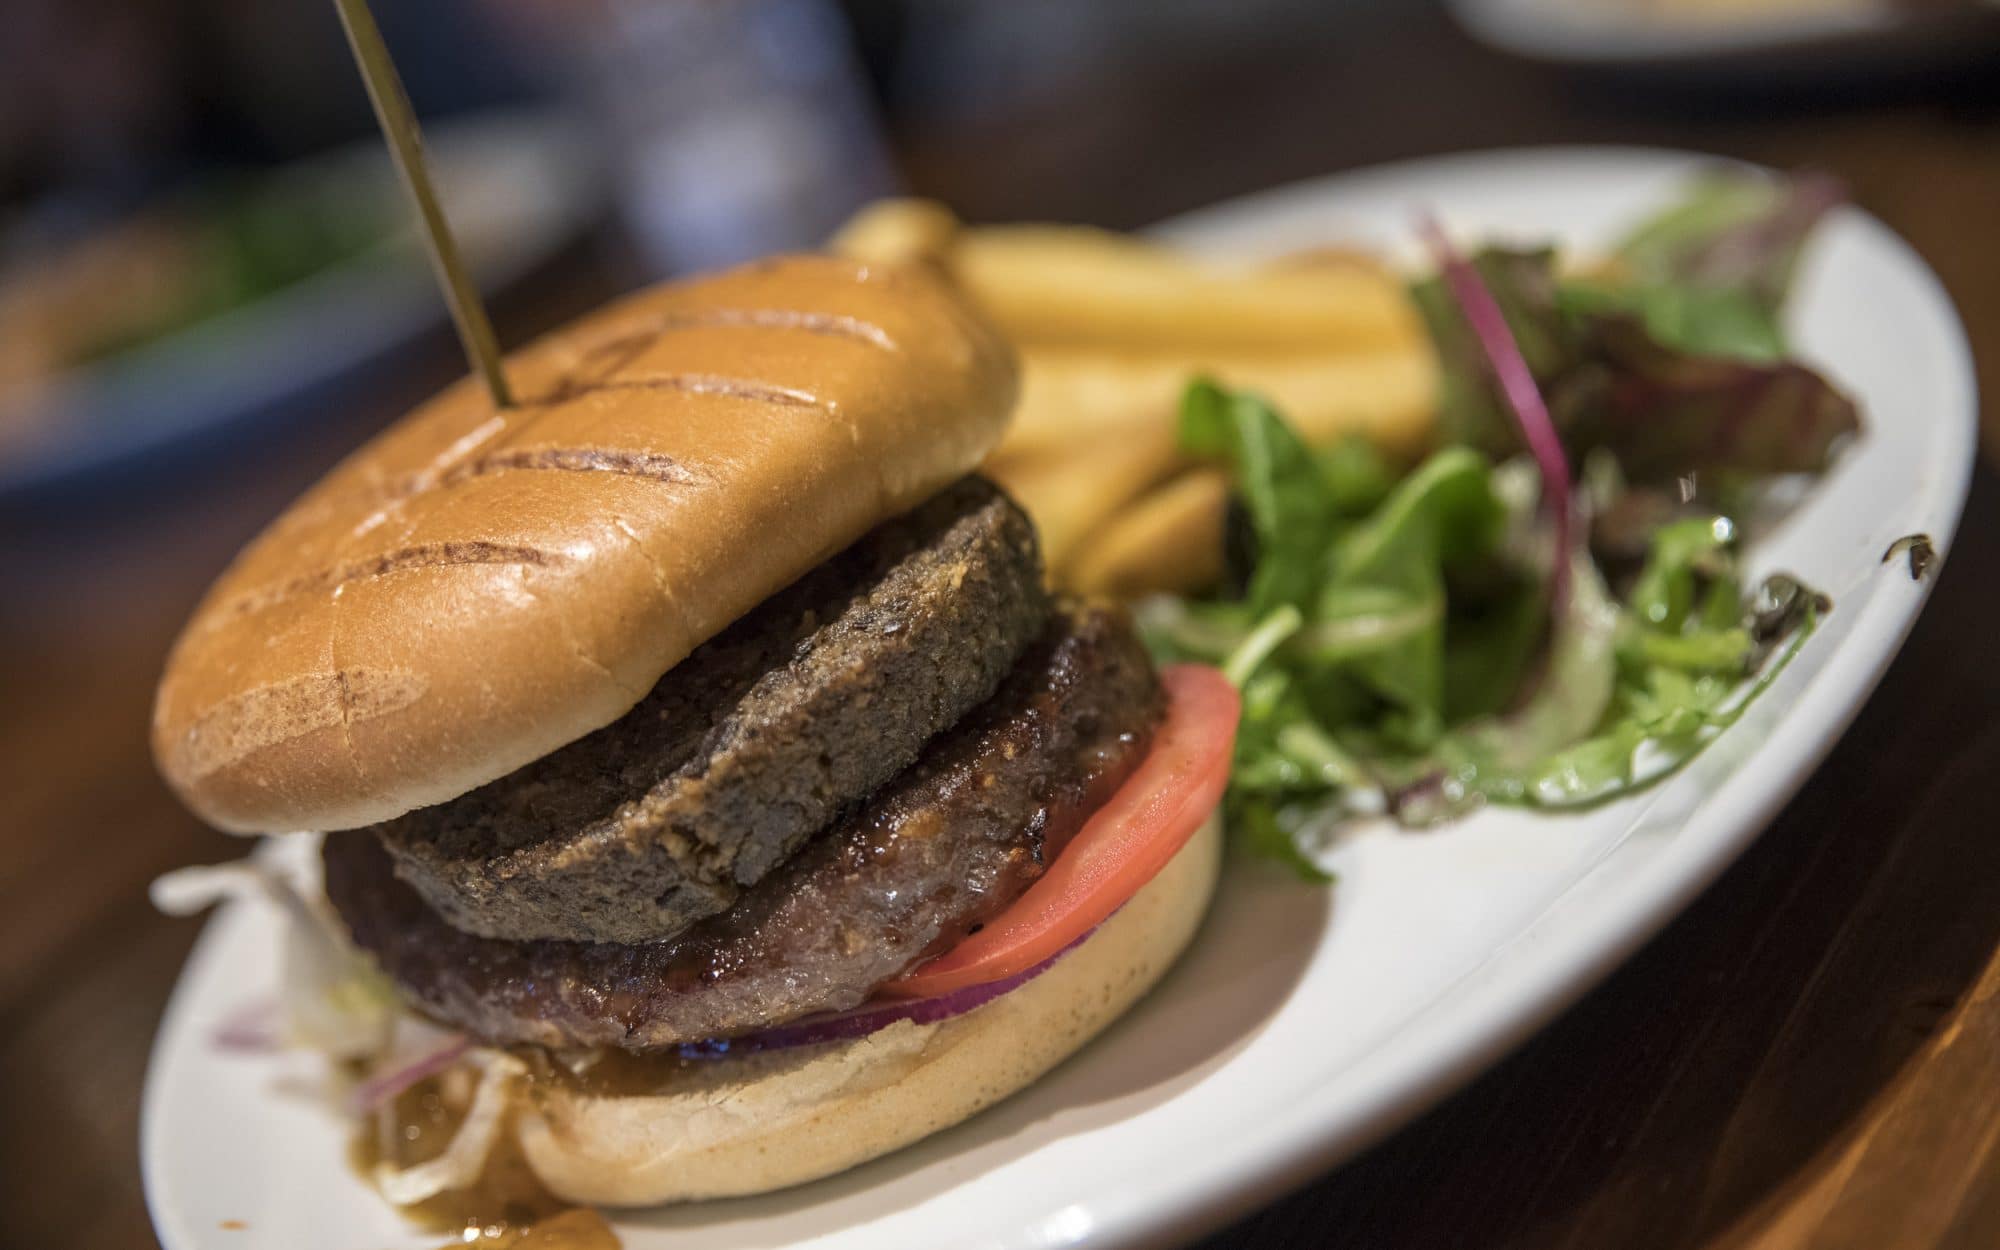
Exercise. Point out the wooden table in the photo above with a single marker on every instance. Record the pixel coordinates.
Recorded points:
(1809, 1057)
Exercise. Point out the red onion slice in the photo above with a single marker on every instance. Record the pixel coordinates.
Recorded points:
(1517, 383)
(255, 1028)
(377, 1090)
(879, 1013)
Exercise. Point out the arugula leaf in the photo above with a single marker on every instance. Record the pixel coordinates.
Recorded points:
(1497, 758)
(1667, 717)
(1381, 609)
(1494, 633)
(1358, 477)
(1284, 489)
(1686, 604)
(1344, 619)
(1282, 765)
(1691, 560)
(1264, 832)
(1686, 641)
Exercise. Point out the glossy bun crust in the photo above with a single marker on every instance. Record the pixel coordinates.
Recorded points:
(473, 589)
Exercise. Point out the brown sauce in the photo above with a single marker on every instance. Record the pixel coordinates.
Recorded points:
(617, 1073)
(506, 1209)
(578, 1228)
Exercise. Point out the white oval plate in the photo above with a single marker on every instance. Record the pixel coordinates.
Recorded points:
(1306, 1023)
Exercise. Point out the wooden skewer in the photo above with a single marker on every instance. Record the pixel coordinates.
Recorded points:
(399, 127)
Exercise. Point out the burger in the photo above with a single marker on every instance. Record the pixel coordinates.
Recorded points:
(699, 755)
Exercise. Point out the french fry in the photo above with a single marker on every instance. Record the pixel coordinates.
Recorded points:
(1094, 451)
(1071, 491)
(1094, 433)
(1110, 330)
(1067, 396)
(1169, 539)
(1075, 286)
(1334, 256)
(898, 231)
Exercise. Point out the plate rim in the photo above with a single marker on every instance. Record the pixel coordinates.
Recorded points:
(1565, 34)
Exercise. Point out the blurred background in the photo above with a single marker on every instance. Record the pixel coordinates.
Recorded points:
(208, 291)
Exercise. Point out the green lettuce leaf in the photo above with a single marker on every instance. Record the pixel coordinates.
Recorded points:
(1282, 488)
(1393, 652)
(1633, 692)
(1666, 715)
(1380, 611)
(1496, 758)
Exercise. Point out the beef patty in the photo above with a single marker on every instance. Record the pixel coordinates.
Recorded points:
(936, 852)
(749, 746)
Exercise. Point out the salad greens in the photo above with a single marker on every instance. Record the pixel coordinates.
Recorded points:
(1729, 248)
(1671, 358)
(1418, 645)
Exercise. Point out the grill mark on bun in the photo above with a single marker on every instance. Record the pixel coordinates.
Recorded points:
(403, 559)
(835, 325)
(469, 551)
(692, 384)
(596, 369)
(626, 346)
(451, 470)
(272, 715)
(597, 364)
(645, 464)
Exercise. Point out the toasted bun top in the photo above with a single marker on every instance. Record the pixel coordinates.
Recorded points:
(473, 588)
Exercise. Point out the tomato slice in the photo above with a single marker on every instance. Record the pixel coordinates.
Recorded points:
(1118, 850)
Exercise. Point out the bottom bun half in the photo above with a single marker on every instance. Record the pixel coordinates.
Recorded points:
(756, 1123)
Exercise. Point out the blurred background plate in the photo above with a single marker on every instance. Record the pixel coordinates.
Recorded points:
(1799, 39)
(519, 186)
